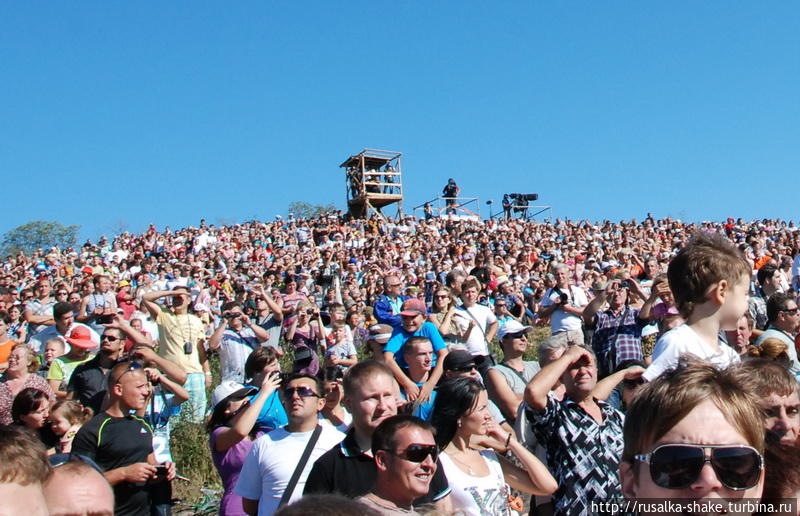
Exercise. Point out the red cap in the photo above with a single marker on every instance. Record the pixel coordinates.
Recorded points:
(413, 307)
(87, 270)
(81, 337)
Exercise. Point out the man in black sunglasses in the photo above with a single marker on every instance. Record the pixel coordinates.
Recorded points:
(783, 318)
(405, 455)
(272, 461)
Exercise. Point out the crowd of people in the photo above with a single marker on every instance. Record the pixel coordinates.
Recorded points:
(383, 366)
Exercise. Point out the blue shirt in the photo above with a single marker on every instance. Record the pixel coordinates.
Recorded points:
(272, 414)
(400, 336)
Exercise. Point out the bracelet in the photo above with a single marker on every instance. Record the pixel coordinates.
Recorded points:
(508, 440)
(208, 374)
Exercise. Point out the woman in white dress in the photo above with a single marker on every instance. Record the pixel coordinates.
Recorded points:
(472, 444)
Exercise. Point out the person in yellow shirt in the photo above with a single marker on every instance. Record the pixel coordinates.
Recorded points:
(181, 339)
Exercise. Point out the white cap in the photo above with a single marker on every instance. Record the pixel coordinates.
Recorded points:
(228, 389)
(511, 326)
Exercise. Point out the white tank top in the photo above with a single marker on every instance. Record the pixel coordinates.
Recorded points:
(478, 496)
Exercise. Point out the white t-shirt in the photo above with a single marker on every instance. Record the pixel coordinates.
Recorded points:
(476, 342)
(477, 496)
(561, 320)
(234, 349)
(272, 460)
(684, 341)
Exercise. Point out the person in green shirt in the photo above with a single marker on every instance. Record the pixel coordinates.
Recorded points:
(80, 341)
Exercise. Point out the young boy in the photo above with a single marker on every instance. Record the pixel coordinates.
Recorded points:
(53, 349)
(340, 352)
(710, 280)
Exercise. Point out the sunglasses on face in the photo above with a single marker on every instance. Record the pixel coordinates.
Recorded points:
(417, 452)
(303, 392)
(465, 369)
(519, 335)
(678, 466)
(109, 338)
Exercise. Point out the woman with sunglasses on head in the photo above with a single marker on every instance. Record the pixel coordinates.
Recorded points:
(233, 431)
(693, 433)
(443, 310)
(480, 479)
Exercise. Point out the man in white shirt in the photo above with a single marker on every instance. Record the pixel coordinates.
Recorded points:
(477, 324)
(564, 304)
(275, 455)
(235, 338)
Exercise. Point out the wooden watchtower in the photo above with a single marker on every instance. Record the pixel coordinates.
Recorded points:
(374, 179)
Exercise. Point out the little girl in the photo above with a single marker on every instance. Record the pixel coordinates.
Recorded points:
(66, 418)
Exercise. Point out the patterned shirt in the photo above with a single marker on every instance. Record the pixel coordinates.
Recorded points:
(617, 338)
(757, 306)
(582, 454)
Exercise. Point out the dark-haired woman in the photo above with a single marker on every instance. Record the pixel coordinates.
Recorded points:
(233, 430)
(479, 479)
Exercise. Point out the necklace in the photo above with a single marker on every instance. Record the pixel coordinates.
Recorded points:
(469, 468)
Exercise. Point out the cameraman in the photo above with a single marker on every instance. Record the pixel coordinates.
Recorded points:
(564, 304)
(450, 191)
(235, 338)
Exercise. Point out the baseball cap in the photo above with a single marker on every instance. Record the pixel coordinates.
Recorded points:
(380, 333)
(228, 390)
(81, 337)
(511, 326)
(458, 359)
(412, 307)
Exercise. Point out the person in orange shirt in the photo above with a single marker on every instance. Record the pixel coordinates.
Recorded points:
(5, 343)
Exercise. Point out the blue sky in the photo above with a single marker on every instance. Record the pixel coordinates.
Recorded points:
(170, 112)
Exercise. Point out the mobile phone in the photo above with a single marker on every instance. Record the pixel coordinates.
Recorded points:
(161, 472)
(105, 319)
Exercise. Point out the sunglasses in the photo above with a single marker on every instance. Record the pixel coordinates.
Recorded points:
(59, 459)
(678, 466)
(109, 338)
(465, 369)
(303, 392)
(518, 335)
(134, 366)
(417, 452)
(789, 310)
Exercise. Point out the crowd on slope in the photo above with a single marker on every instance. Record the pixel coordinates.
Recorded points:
(386, 361)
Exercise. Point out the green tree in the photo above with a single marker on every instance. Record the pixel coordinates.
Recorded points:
(39, 233)
(309, 211)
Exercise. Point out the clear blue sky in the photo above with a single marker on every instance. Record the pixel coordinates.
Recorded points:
(173, 111)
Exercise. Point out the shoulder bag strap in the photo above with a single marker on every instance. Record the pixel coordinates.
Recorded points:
(300, 466)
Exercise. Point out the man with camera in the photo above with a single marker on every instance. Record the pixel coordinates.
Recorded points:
(617, 334)
(564, 305)
(450, 192)
(181, 338)
(235, 338)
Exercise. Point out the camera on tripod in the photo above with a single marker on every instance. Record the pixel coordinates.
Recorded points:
(518, 202)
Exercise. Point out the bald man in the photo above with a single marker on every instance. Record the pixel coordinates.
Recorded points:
(75, 487)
